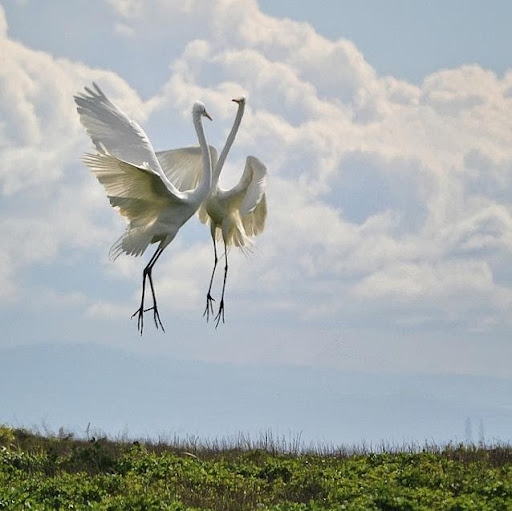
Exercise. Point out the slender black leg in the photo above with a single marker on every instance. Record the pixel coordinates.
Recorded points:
(220, 312)
(147, 273)
(140, 311)
(209, 300)
(156, 315)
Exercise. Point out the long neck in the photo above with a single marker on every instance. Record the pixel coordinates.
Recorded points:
(228, 144)
(203, 188)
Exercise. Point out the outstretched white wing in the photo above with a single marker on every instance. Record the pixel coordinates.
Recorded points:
(184, 166)
(250, 194)
(254, 206)
(251, 187)
(254, 181)
(138, 194)
(254, 222)
(113, 132)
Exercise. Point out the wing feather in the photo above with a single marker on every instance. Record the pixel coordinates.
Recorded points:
(257, 184)
(249, 202)
(254, 222)
(251, 187)
(113, 132)
(137, 192)
(184, 166)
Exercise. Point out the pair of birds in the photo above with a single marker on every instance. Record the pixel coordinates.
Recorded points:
(159, 191)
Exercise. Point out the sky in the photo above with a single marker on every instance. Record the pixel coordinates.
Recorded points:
(377, 303)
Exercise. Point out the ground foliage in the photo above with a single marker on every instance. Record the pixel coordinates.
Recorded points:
(46, 472)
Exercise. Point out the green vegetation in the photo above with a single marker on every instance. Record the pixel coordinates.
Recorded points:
(51, 473)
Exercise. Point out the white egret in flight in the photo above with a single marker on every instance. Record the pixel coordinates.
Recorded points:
(233, 215)
(128, 168)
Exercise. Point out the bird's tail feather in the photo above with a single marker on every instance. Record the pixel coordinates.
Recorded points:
(132, 242)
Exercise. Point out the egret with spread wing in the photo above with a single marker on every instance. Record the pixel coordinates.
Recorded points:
(233, 215)
(128, 168)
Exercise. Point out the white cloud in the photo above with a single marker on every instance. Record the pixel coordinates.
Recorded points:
(127, 8)
(3, 23)
(41, 133)
(108, 311)
(408, 281)
(461, 90)
(124, 30)
(58, 300)
(8, 284)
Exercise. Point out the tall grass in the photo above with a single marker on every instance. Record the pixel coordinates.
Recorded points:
(496, 453)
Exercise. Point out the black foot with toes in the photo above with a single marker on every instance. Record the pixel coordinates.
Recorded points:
(156, 317)
(140, 319)
(209, 307)
(220, 314)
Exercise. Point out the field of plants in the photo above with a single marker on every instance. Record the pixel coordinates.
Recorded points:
(48, 472)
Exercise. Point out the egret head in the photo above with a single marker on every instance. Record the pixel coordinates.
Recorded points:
(199, 109)
(240, 100)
